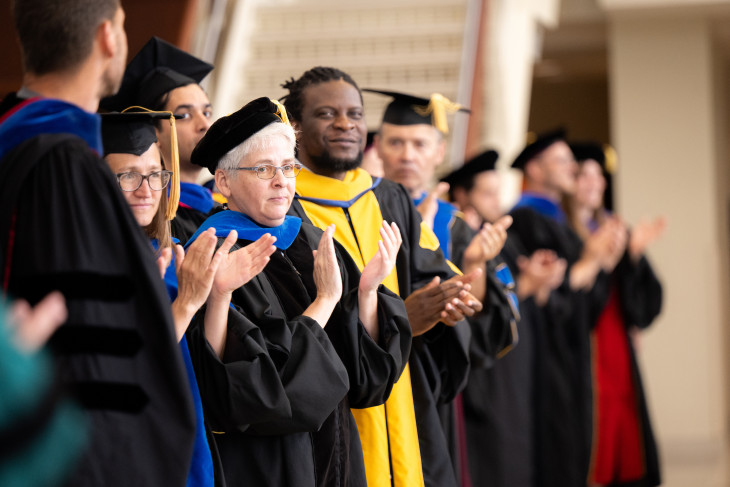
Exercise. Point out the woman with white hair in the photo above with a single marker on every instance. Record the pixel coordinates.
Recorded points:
(322, 336)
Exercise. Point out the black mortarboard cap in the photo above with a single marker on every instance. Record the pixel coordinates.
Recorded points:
(603, 154)
(129, 133)
(486, 161)
(533, 149)
(158, 68)
(413, 110)
(232, 130)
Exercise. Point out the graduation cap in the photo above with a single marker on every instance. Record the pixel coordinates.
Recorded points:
(603, 154)
(539, 144)
(133, 132)
(159, 67)
(486, 161)
(413, 110)
(232, 130)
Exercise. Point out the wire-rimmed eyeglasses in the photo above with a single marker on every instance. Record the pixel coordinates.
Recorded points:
(268, 171)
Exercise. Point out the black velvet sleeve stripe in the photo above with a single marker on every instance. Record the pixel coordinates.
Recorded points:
(114, 396)
(24, 430)
(75, 285)
(73, 339)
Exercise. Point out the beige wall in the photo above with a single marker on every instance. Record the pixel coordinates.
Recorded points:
(665, 116)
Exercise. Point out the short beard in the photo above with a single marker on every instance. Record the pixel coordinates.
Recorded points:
(331, 165)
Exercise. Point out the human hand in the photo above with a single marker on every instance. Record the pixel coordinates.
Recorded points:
(163, 261)
(384, 259)
(240, 266)
(449, 302)
(429, 206)
(327, 276)
(615, 243)
(488, 242)
(539, 274)
(643, 234)
(33, 326)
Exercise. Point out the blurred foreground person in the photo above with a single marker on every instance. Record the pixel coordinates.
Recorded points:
(65, 225)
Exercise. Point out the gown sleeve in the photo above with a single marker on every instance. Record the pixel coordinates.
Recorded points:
(276, 376)
(373, 367)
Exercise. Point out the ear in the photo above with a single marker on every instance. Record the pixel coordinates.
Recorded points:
(221, 182)
(376, 143)
(106, 39)
(440, 150)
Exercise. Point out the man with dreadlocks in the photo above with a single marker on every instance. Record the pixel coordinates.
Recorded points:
(403, 443)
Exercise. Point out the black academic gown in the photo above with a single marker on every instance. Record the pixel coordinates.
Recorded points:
(563, 393)
(492, 335)
(280, 397)
(439, 359)
(73, 231)
(498, 404)
(186, 222)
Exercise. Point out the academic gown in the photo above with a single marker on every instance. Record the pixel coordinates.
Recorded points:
(498, 403)
(493, 330)
(635, 299)
(279, 398)
(439, 362)
(196, 202)
(563, 392)
(117, 350)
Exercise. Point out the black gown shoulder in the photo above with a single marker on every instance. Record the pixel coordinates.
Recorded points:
(73, 231)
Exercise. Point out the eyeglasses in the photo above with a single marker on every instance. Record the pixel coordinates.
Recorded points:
(131, 181)
(268, 171)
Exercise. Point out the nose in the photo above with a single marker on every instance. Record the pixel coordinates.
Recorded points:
(407, 152)
(202, 123)
(144, 191)
(343, 122)
(279, 179)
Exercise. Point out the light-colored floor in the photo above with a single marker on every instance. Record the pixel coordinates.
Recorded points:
(686, 465)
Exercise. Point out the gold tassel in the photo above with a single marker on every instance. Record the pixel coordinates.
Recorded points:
(174, 198)
(439, 106)
(611, 159)
(280, 112)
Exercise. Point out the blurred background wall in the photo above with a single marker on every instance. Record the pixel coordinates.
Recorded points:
(650, 77)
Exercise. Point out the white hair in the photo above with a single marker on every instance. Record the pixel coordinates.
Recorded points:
(261, 140)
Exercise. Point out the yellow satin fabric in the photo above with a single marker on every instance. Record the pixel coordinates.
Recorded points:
(387, 433)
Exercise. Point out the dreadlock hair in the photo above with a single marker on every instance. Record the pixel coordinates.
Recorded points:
(294, 101)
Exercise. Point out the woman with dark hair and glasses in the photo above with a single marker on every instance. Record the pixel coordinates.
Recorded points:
(134, 157)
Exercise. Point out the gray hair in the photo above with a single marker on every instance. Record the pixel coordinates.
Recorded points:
(261, 140)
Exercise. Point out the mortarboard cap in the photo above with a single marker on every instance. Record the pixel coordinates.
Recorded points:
(133, 132)
(413, 110)
(539, 144)
(486, 161)
(158, 68)
(604, 154)
(232, 130)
